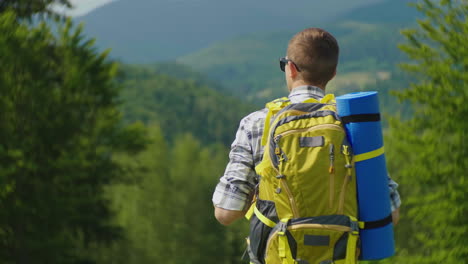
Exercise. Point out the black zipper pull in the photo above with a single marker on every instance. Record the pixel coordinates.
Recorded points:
(332, 159)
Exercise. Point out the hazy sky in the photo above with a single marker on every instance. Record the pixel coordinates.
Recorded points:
(84, 6)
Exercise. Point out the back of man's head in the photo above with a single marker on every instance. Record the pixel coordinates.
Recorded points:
(315, 52)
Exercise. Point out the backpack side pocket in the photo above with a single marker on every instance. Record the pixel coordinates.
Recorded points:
(260, 229)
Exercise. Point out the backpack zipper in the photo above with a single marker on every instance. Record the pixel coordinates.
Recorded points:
(283, 183)
(307, 129)
(295, 211)
(347, 178)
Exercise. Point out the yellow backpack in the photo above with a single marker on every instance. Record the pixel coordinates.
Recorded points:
(305, 208)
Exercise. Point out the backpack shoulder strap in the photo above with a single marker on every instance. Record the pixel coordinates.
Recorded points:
(327, 99)
(311, 100)
(273, 107)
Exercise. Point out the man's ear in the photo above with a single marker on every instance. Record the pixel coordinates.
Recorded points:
(293, 72)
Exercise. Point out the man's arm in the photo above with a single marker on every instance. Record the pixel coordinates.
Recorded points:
(233, 194)
(396, 216)
(227, 217)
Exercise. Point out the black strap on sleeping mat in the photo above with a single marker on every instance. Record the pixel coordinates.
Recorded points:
(378, 223)
(360, 118)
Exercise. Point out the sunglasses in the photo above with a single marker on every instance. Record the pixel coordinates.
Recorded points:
(283, 61)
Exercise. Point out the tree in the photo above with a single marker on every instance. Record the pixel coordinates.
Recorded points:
(188, 105)
(431, 148)
(28, 8)
(168, 214)
(59, 132)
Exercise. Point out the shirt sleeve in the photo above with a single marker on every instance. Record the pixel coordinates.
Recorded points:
(235, 187)
(395, 201)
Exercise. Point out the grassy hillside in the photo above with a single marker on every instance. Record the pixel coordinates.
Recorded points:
(248, 65)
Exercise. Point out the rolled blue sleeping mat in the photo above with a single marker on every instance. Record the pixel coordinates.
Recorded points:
(361, 115)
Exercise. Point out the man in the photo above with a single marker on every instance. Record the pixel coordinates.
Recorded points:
(312, 58)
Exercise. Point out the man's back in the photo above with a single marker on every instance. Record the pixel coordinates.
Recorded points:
(312, 58)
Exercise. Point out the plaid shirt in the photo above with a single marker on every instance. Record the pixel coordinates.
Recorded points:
(235, 188)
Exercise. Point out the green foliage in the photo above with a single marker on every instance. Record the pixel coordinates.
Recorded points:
(431, 148)
(179, 105)
(59, 130)
(75, 188)
(168, 215)
(165, 210)
(27, 8)
(181, 72)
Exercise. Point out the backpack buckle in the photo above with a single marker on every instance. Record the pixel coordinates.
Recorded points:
(354, 228)
(346, 150)
(283, 226)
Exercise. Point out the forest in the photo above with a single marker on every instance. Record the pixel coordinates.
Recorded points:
(103, 161)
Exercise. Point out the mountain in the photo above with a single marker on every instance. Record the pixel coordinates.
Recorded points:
(248, 65)
(142, 31)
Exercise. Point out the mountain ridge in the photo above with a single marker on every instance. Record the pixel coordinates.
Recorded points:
(165, 30)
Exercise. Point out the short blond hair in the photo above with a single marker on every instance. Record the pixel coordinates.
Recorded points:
(315, 52)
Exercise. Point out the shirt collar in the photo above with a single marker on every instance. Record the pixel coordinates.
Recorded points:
(301, 93)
